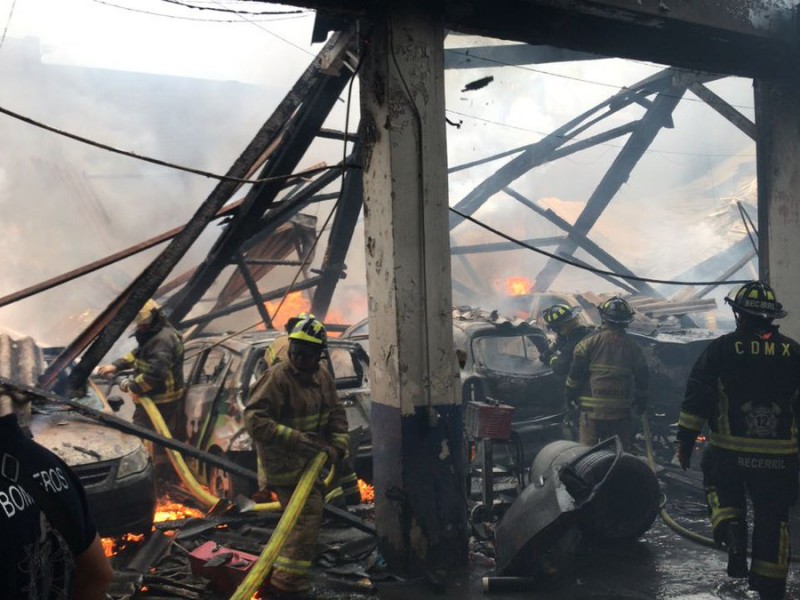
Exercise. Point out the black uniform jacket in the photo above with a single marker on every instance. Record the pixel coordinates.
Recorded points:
(745, 387)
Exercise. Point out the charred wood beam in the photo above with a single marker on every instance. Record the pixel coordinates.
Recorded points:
(228, 310)
(543, 151)
(252, 286)
(316, 100)
(726, 110)
(505, 246)
(107, 328)
(481, 57)
(616, 281)
(572, 148)
(659, 116)
(584, 242)
(334, 134)
(103, 262)
(288, 208)
(341, 234)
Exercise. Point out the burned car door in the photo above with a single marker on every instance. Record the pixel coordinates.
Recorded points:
(204, 391)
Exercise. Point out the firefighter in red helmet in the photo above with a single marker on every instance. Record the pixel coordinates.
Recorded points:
(744, 387)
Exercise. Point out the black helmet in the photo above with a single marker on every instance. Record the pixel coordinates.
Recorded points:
(559, 314)
(616, 310)
(757, 299)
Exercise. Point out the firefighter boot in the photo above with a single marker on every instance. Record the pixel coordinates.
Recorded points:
(736, 544)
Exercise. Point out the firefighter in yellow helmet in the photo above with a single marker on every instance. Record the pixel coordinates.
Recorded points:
(294, 412)
(568, 325)
(156, 366)
(608, 377)
(744, 387)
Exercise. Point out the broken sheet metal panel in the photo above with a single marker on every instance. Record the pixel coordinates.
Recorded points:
(548, 508)
(601, 492)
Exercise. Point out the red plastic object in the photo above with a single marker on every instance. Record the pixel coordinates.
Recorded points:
(225, 568)
(489, 421)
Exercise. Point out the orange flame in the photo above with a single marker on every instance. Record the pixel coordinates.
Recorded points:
(518, 286)
(167, 510)
(367, 492)
(113, 546)
(294, 304)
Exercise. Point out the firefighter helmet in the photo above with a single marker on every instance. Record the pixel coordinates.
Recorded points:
(559, 314)
(616, 310)
(756, 298)
(147, 314)
(309, 330)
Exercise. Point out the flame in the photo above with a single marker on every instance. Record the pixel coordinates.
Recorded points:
(113, 546)
(167, 510)
(294, 304)
(367, 492)
(518, 286)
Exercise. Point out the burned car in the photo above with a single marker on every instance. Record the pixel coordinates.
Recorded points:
(114, 467)
(219, 373)
(501, 363)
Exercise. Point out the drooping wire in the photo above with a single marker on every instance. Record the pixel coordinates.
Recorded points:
(157, 161)
(585, 267)
(196, 19)
(234, 11)
(8, 22)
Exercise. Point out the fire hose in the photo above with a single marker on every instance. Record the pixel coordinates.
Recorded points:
(258, 572)
(665, 516)
(185, 474)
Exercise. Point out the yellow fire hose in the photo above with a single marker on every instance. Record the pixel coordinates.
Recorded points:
(255, 577)
(197, 491)
(665, 516)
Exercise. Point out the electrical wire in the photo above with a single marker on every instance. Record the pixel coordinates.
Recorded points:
(163, 163)
(591, 269)
(231, 10)
(196, 19)
(574, 78)
(8, 22)
(543, 133)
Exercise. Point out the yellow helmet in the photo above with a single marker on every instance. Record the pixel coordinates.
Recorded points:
(147, 313)
(309, 330)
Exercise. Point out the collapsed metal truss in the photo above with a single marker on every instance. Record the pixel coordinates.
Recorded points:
(281, 144)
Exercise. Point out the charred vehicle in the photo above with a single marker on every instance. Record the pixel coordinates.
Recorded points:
(501, 363)
(114, 467)
(219, 373)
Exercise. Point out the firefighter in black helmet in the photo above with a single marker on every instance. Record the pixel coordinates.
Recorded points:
(745, 388)
(568, 325)
(608, 377)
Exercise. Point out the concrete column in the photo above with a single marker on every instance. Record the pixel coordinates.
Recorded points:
(778, 149)
(417, 420)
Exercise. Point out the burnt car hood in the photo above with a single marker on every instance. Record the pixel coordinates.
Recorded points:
(77, 440)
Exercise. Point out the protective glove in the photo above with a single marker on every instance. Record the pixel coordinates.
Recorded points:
(107, 371)
(685, 448)
(127, 384)
(305, 443)
(334, 454)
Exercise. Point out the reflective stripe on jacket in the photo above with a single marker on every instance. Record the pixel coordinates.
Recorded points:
(607, 374)
(158, 366)
(745, 385)
(285, 402)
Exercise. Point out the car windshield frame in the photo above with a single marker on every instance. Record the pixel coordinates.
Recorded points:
(522, 360)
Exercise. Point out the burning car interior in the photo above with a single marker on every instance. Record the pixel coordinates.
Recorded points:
(461, 440)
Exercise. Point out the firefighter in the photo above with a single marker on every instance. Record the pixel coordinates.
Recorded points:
(745, 388)
(568, 325)
(157, 369)
(278, 351)
(294, 413)
(608, 376)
